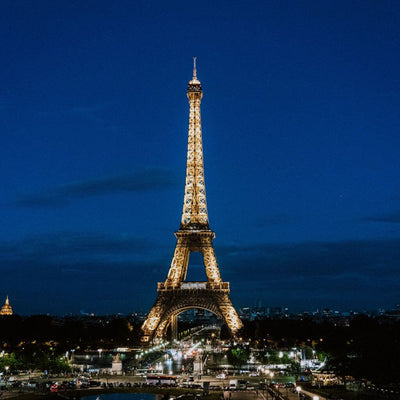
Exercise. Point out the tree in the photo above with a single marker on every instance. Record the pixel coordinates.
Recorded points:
(238, 356)
(9, 363)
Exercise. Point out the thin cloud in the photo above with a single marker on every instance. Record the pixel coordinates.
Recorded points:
(78, 270)
(72, 246)
(138, 181)
(393, 218)
(345, 273)
(319, 259)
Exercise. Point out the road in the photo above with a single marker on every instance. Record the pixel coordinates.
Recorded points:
(243, 395)
(264, 395)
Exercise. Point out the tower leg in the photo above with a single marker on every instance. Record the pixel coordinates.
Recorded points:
(231, 317)
(174, 327)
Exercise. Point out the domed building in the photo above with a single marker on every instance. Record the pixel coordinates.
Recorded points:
(6, 309)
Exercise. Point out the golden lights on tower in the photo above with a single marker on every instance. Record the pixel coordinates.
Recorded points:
(176, 295)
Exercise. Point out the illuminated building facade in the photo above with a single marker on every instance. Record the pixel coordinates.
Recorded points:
(176, 295)
(6, 309)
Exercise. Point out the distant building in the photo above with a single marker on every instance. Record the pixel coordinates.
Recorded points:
(393, 314)
(6, 309)
(278, 312)
(252, 313)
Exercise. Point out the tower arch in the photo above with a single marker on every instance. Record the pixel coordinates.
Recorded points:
(172, 313)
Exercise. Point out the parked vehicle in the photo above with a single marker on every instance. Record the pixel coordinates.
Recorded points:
(242, 384)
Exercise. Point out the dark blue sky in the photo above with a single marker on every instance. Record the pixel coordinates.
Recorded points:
(301, 132)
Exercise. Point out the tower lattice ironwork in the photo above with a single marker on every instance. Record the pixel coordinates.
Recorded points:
(176, 295)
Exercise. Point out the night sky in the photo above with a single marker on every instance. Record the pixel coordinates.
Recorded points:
(301, 134)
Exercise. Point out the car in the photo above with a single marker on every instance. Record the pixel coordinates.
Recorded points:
(196, 386)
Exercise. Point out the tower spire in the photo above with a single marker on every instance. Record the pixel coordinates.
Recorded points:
(194, 68)
(194, 83)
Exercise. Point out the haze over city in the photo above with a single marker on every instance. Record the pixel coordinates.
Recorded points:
(300, 132)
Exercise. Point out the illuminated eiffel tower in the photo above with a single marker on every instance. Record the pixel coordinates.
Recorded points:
(176, 295)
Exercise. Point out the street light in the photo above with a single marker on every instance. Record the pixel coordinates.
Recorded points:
(298, 389)
(271, 375)
(315, 398)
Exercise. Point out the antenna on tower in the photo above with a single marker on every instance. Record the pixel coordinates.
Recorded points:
(194, 68)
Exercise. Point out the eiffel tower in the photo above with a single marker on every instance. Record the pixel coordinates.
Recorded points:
(176, 295)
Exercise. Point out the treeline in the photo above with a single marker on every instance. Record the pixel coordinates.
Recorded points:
(38, 358)
(40, 342)
(68, 333)
(369, 348)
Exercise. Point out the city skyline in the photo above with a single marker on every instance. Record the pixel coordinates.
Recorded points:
(301, 136)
